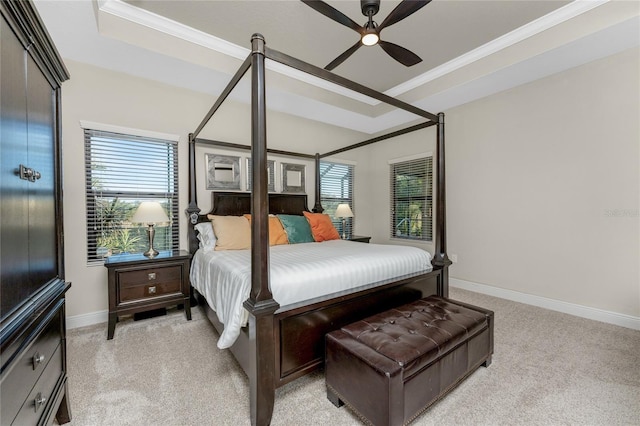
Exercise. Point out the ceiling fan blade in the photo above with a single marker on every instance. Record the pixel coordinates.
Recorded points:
(404, 9)
(334, 14)
(400, 54)
(340, 59)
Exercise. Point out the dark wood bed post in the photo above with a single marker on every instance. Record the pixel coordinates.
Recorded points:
(440, 257)
(260, 304)
(192, 210)
(317, 208)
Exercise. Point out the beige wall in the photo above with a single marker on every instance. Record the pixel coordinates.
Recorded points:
(543, 187)
(102, 96)
(543, 180)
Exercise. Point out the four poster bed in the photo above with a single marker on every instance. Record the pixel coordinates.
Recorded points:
(282, 343)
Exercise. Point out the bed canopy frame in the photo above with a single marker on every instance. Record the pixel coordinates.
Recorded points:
(262, 340)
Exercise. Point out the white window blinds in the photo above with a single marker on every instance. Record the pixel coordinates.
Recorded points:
(411, 199)
(336, 187)
(122, 171)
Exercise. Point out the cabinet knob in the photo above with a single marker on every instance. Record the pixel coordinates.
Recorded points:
(152, 289)
(151, 276)
(39, 401)
(38, 358)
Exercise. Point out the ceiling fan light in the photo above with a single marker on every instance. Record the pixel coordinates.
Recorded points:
(370, 38)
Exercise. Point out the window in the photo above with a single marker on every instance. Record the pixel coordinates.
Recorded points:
(122, 171)
(336, 187)
(411, 198)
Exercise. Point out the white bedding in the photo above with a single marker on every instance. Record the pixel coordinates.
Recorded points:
(298, 274)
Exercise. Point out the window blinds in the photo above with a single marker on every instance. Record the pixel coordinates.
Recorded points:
(411, 185)
(121, 171)
(336, 187)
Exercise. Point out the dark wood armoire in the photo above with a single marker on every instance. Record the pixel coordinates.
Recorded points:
(33, 386)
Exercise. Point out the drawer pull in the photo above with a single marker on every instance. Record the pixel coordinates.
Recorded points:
(38, 358)
(151, 276)
(39, 401)
(152, 289)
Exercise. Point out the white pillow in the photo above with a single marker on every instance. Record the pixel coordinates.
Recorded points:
(206, 236)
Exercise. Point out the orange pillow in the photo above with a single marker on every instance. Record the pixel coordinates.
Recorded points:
(321, 227)
(277, 236)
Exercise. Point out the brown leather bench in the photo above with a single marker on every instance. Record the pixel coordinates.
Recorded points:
(392, 366)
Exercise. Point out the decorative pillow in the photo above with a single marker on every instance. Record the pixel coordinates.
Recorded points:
(206, 236)
(277, 236)
(321, 227)
(297, 228)
(232, 232)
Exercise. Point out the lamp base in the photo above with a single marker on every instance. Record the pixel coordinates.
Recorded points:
(151, 253)
(151, 232)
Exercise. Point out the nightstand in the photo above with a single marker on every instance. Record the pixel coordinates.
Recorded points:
(359, 238)
(138, 283)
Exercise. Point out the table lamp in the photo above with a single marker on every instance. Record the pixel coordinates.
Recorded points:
(344, 211)
(150, 212)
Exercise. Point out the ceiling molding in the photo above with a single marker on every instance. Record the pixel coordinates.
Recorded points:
(569, 11)
(160, 23)
(167, 26)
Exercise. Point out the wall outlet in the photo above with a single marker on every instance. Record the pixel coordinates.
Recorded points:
(454, 258)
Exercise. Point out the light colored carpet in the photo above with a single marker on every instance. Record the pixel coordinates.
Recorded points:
(548, 369)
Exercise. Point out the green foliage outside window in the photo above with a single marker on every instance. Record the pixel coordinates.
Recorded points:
(117, 234)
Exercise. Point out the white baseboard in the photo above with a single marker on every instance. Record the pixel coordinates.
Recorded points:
(623, 320)
(596, 314)
(91, 318)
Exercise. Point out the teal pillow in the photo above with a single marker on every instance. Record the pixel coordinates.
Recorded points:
(297, 228)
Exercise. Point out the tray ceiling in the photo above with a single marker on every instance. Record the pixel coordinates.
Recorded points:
(470, 48)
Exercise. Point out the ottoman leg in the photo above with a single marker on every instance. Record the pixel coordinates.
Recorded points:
(487, 362)
(331, 396)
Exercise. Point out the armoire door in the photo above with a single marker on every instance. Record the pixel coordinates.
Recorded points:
(28, 250)
(14, 217)
(41, 158)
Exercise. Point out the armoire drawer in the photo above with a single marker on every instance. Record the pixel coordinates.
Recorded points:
(27, 368)
(42, 393)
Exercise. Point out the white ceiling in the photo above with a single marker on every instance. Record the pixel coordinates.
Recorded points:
(470, 49)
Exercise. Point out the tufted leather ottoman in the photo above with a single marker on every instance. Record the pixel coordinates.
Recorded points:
(392, 366)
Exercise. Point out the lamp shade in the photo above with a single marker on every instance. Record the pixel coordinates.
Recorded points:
(344, 210)
(150, 212)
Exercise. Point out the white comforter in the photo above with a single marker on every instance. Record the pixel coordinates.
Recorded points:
(298, 274)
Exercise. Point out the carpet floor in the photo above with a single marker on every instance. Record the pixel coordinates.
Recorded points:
(548, 369)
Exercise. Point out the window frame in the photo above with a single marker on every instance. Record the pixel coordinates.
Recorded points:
(327, 201)
(94, 135)
(411, 165)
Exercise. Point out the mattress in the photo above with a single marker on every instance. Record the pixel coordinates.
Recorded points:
(299, 274)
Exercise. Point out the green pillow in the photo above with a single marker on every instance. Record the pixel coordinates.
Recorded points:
(297, 228)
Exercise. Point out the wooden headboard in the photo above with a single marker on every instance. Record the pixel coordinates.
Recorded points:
(239, 203)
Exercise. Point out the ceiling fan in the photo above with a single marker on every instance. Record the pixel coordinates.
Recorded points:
(370, 31)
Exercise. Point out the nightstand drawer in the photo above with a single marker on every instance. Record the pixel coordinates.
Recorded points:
(138, 283)
(151, 282)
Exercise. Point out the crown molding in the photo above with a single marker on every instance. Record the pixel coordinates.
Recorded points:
(159, 23)
(167, 26)
(558, 16)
